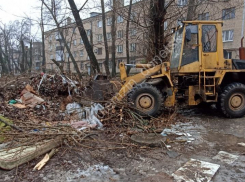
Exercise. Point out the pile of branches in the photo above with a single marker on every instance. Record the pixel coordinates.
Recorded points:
(124, 116)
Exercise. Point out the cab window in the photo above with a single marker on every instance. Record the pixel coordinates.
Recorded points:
(209, 38)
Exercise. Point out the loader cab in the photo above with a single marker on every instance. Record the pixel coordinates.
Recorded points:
(197, 46)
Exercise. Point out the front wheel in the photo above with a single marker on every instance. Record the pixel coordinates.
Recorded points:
(232, 100)
(146, 99)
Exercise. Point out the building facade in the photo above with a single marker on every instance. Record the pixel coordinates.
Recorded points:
(230, 12)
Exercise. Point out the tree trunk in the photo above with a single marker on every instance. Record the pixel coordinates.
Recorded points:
(113, 36)
(4, 68)
(91, 38)
(191, 10)
(106, 63)
(7, 53)
(158, 13)
(30, 64)
(22, 63)
(43, 42)
(127, 33)
(83, 34)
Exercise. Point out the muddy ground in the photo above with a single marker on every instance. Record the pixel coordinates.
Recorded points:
(211, 131)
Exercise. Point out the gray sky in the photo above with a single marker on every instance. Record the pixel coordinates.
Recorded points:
(11, 10)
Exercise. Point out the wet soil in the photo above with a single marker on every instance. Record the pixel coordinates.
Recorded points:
(211, 131)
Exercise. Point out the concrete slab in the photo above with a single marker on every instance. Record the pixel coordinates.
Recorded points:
(196, 171)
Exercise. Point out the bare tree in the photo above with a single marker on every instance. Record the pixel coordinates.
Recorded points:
(53, 13)
(127, 33)
(106, 62)
(43, 40)
(88, 47)
(113, 37)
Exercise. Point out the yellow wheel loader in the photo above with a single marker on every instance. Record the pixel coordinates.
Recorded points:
(196, 72)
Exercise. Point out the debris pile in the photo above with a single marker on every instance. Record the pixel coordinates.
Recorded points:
(46, 108)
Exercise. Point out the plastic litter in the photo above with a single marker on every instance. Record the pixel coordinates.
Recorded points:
(12, 102)
(86, 114)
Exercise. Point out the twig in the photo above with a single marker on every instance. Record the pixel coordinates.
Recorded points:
(11, 125)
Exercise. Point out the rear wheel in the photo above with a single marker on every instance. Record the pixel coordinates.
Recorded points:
(232, 100)
(147, 99)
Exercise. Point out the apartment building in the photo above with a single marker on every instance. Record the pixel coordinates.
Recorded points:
(229, 11)
(37, 56)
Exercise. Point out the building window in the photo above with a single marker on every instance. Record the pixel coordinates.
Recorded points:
(81, 41)
(57, 36)
(50, 47)
(99, 51)
(75, 54)
(74, 30)
(119, 34)
(74, 42)
(132, 61)
(81, 66)
(118, 62)
(99, 37)
(228, 13)
(67, 55)
(228, 35)
(59, 55)
(165, 26)
(119, 48)
(81, 53)
(50, 38)
(204, 16)
(100, 65)
(119, 19)
(51, 56)
(133, 32)
(227, 55)
(133, 15)
(69, 44)
(99, 23)
(109, 21)
(182, 2)
(88, 32)
(108, 35)
(133, 47)
(37, 65)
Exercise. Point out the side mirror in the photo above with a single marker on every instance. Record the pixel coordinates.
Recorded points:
(188, 35)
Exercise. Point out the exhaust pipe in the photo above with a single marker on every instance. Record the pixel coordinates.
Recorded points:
(242, 50)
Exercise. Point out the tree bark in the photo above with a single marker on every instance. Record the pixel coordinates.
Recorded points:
(191, 10)
(83, 34)
(127, 33)
(30, 64)
(59, 65)
(22, 63)
(113, 36)
(4, 68)
(106, 62)
(43, 42)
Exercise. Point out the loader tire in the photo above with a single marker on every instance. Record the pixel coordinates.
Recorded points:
(232, 100)
(146, 99)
